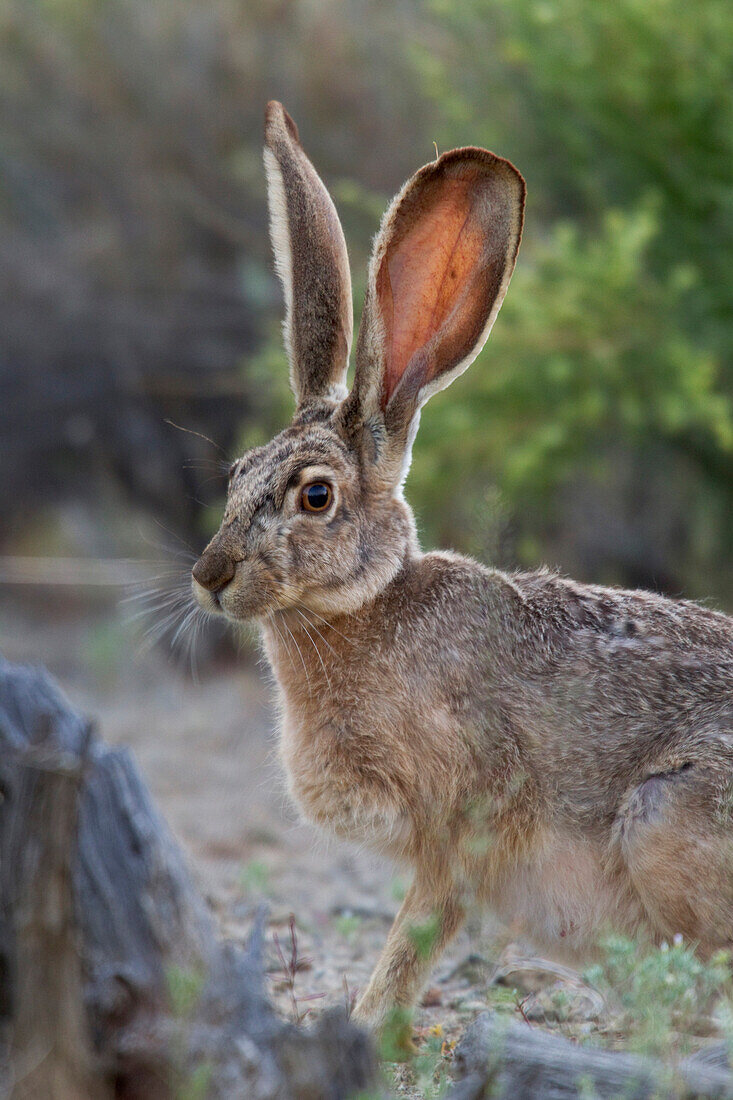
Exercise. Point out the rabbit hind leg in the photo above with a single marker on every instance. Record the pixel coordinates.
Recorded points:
(675, 833)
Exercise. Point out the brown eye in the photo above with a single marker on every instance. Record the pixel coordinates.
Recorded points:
(316, 497)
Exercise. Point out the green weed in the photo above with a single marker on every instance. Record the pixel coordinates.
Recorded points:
(425, 936)
(347, 925)
(254, 877)
(664, 993)
(184, 988)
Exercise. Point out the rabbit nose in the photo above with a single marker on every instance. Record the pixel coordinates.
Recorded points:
(214, 570)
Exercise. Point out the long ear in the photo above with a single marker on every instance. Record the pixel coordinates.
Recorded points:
(311, 260)
(440, 268)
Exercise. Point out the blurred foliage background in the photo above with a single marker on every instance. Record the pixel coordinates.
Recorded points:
(594, 433)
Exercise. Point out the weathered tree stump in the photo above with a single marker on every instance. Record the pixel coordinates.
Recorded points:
(501, 1058)
(113, 981)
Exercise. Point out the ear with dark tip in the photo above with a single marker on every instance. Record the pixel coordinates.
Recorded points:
(440, 268)
(311, 260)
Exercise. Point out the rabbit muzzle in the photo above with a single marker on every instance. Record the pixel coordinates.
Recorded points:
(213, 573)
(214, 570)
(234, 585)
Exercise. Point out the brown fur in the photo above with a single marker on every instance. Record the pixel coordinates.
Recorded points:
(560, 752)
(311, 258)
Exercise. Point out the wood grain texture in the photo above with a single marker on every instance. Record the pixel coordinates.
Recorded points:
(90, 944)
(501, 1058)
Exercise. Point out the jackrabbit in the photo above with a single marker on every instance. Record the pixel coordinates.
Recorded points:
(560, 752)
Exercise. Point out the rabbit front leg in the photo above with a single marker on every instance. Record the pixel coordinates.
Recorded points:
(426, 922)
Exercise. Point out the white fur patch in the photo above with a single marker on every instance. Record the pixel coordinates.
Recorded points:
(281, 246)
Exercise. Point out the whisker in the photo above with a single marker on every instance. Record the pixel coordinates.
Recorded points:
(286, 647)
(314, 627)
(152, 601)
(159, 628)
(162, 609)
(190, 431)
(184, 640)
(141, 594)
(302, 660)
(331, 626)
(156, 609)
(183, 625)
(205, 464)
(318, 652)
(175, 604)
(207, 481)
(194, 638)
(177, 538)
(181, 587)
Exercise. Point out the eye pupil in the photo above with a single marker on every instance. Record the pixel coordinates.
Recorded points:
(316, 497)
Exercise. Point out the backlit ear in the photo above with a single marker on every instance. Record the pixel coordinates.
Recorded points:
(440, 268)
(311, 260)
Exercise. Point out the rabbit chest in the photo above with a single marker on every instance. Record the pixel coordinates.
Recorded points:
(347, 774)
(362, 761)
(335, 794)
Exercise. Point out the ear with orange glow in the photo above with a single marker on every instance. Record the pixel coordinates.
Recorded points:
(440, 269)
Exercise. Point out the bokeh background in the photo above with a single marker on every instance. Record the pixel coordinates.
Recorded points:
(594, 433)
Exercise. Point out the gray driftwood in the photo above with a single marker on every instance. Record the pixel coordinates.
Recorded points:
(500, 1059)
(112, 979)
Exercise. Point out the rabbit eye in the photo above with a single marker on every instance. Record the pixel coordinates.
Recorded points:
(316, 497)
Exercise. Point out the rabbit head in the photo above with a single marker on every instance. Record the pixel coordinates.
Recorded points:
(316, 518)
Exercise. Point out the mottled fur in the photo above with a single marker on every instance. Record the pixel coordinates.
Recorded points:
(561, 752)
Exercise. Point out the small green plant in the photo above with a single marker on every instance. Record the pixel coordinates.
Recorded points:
(662, 992)
(397, 890)
(185, 987)
(184, 990)
(430, 1066)
(395, 1042)
(103, 649)
(254, 877)
(423, 1068)
(504, 999)
(347, 925)
(586, 1089)
(196, 1086)
(425, 936)
(724, 1019)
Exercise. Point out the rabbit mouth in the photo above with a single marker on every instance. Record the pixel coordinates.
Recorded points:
(240, 592)
(206, 599)
(237, 603)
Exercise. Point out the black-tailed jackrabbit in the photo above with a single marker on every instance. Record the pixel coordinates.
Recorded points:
(563, 753)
